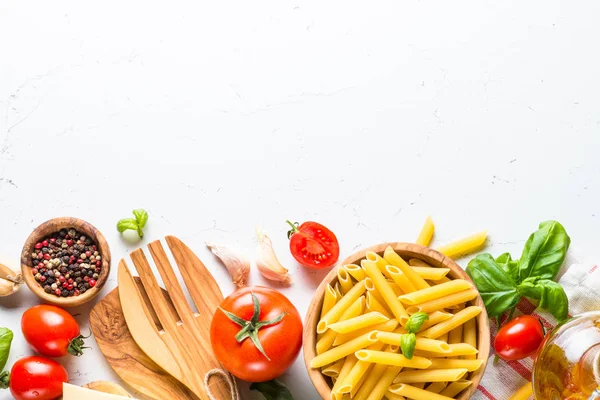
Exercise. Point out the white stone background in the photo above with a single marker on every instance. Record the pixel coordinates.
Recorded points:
(366, 116)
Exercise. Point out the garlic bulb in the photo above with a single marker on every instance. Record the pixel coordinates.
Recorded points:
(266, 261)
(237, 266)
(10, 281)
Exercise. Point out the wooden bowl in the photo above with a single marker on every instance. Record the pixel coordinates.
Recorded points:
(46, 229)
(406, 251)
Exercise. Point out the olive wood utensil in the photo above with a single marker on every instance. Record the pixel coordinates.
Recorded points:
(181, 344)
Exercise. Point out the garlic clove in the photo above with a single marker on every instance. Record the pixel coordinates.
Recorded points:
(10, 281)
(267, 262)
(238, 266)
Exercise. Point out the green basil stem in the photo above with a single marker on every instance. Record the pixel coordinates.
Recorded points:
(250, 328)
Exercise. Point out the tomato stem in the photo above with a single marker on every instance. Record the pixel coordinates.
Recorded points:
(77, 345)
(294, 229)
(250, 328)
(4, 380)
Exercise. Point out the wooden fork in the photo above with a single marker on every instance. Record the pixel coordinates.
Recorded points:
(181, 346)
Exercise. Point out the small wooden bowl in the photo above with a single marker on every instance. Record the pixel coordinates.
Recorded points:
(46, 229)
(406, 251)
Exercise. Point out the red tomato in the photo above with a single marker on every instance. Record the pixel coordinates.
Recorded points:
(313, 245)
(51, 331)
(519, 338)
(278, 330)
(37, 378)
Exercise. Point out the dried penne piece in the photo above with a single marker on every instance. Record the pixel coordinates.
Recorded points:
(432, 345)
(431, 375)
(398, 360)
(371, 378)
(384, 383)
(435, 292)
(355, 309)
(387, 326)
(470, 336)
(329, 300)
(458, 319)
(436, 387)
(426, 233)
(338, 309)
(393, 396)
(524, 392)
(415, 393)
(384, 289)
(374, 305)
(444, 302)
(451, 363)
(395, 260)
(358, 322)
(461, 349)
(430, 273)
(455, 388)
(358, 370)
(338, 290)
(333, 370)
(464, 246)
(435, 318)
(378, 260)
(400, 279)
(341, 351)
(344, 280)
(396, 289)
(349, 362)
(355, 271)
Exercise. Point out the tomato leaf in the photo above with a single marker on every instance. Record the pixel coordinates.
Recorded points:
(6, 337)
(497, 289)
(415, 321)
(272, 390)
(510, 266)
(551, 295)
(408, 341)
(544, 252)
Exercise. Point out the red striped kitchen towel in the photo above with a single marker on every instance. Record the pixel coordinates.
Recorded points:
(501, 380)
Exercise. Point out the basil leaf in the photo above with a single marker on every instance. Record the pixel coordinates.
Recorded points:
(497, 289)
(544, 252)
(6, 337)
(408, 341)
(141, 216)
(510, 266)
(415, 321)
(272, 390)
(127, 224)
(551, 295)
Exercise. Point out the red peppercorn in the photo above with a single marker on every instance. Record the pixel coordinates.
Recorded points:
(92, 282)
(65, 284)
(72, 259)
(45, 243)
(88, 254)
(80, 261)
(46, 256)
(69, 242)
(61, 279)
(70, 280)
(57, 292)
(93, 247)
(34, 271)
(98, 263)
(52, 240)
(70, 287)
(86, 278)
(40, 265)
(76, 292)
(42, 279)
(38, 246)
(40, 255)
(67, 237)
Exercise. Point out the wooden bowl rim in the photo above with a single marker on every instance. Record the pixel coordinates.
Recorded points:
(54, 225)
(428, 255)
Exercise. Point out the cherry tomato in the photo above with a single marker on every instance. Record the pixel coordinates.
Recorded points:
(37, 378)
(519, 338)
(278, 330)
(51, 331)
(313, 245)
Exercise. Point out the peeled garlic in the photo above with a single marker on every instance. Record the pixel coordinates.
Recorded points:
(266, 261)
(237, 266)
(10, 281)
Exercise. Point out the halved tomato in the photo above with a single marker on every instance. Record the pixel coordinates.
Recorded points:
(313, 245)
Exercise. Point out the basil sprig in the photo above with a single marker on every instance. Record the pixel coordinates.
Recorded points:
(135, 224)
(502, 282)
(408, 341)
(6, 337)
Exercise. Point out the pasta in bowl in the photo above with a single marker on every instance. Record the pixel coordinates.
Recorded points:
(360, 319)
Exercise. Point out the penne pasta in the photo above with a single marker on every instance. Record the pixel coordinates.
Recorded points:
(430, 273)
(398, 360)
(384, 383)
(355, 309)
(386, 292)
(444, 302)
(524, 393)
(333, 370)
(378, 260)
(435, 292)
(355, 271)
(444, 338)
(470, 336)
(458, 319)
(461, 349)
(426, 233)
(338, 290)
(343, 350)
(362, 379)
(359, 322)
(415, 393)
(435, 318)
(344, 280)
(387, 326)
(415, 262)
(395, 260)
(456, 334)
(435, 346)
(344, 371)
(400, 279)
(371, 379)
(455, 388)
(451, 363)
(392, 396)
(436, 387)
(374, 305)
(420, 385)
(431, 375)
(360, 368)
(395, 288)
(338, 309)
(464, 246)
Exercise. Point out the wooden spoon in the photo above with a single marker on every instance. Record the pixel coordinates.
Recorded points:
(107, 387)
(10, 281)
